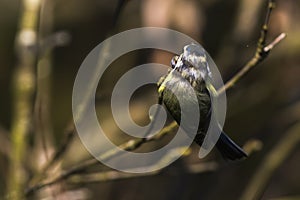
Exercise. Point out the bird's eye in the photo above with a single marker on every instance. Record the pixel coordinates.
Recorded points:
(174, 61)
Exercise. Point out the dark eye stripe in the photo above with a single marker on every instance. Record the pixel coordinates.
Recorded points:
(174, 61)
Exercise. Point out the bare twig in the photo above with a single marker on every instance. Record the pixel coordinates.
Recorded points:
(261, 52)
(271, 163)
(275, 42)
(128, 146)
(67, 140)
(43, 136)
(54, 160)
(23, 89)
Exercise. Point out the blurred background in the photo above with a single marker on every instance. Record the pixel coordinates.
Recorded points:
(262, 115)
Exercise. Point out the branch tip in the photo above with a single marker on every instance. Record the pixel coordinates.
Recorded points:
(276, 41)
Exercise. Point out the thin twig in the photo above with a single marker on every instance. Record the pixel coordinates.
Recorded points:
(43, 130)
(275, 42)
(273, 160)
(65, 144)
(260, 54)
(68, 138)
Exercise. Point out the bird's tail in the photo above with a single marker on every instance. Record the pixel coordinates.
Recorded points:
(229, 149)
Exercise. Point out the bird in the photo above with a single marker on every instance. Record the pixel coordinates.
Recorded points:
(191, 68)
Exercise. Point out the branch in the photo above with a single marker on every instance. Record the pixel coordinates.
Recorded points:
(202, 167)
(273, 160)
(251, 146)
(23, 90)
(57, 156)
(42, 117)
(260, 54)
(67, 140)
(127, 146)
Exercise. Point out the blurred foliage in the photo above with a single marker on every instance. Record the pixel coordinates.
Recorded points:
(263, 105)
